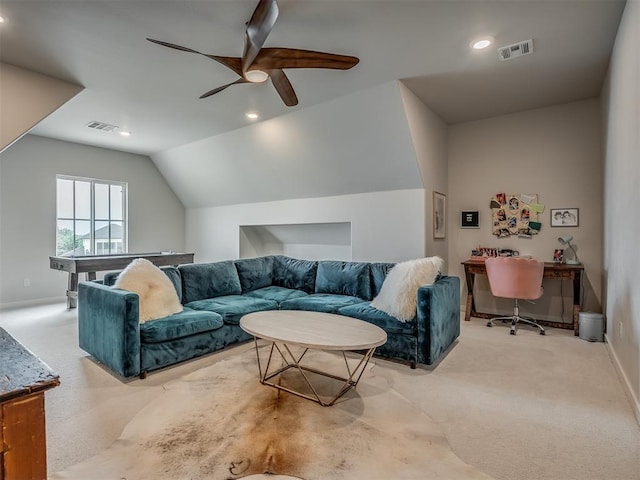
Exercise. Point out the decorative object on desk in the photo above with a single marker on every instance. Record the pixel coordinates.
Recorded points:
(566, 240)
(564, 217)
(469, 219)
(439, 215)
(514, 214)
(558, 255)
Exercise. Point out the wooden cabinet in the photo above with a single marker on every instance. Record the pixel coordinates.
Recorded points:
(23, 381)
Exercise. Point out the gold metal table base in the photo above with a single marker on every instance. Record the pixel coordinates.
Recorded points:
(291, 361)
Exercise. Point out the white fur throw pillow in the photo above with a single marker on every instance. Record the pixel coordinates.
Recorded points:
(158, 297)
(398, 296)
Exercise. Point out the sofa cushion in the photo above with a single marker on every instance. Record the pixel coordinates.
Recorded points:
(292, 273)
(278, 294)
(255, 273)
(320, 302)
(171, 272)
(188, 322)
(379, 272)
(157, 296)
(209, 280)
(399, 293)
(344, 278)
(364, 311)
(233, 307)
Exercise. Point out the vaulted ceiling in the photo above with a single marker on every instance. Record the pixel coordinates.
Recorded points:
(153, 91)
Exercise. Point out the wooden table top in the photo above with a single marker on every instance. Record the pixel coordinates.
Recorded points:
(21, 372)
(324, 331)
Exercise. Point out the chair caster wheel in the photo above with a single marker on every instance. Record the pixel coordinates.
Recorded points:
(512, 332)
(413, 365)
(542, 332)
(489, 324)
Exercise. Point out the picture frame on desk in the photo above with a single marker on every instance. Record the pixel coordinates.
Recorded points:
(564, 217)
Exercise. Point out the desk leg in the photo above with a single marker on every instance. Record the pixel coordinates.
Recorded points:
(470, 303)
(72, 291)
(576, 303)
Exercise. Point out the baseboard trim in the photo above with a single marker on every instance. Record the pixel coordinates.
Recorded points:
(31, 303)
(633, 400)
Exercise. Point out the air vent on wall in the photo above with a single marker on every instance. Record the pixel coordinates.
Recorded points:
(102, 127)
(516, 50)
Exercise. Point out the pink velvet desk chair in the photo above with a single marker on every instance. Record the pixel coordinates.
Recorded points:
(516, 278)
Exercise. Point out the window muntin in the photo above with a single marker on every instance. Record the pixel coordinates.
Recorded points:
(91, 216)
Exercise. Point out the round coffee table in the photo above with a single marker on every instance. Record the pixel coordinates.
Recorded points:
(312, 330)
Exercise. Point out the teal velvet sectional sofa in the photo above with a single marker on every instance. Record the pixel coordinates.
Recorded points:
(216, 295)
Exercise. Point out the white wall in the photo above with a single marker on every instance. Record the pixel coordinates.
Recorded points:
(26, 98)
(385, 226)
(429, 135)
(28, 209)
(363, 136)
(555, 152)
(621, 99)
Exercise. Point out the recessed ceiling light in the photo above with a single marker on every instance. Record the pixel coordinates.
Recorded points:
(124, 133)
(252, 115)
(482, 43)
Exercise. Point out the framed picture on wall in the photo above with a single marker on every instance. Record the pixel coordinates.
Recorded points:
(469, 219)
(439, 215)
(564, 217)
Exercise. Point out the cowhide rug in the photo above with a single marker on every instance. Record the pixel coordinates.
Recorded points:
(221, 423)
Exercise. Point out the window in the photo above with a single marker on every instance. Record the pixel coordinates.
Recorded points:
(91, 216)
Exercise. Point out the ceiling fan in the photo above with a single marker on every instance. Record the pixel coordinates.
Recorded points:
(257, 63)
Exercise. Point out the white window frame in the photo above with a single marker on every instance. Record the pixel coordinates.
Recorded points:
(125, 210)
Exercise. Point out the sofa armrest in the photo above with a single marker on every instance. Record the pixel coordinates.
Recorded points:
(108, 327)
(438, 318)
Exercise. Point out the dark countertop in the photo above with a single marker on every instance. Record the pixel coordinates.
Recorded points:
(21, 372)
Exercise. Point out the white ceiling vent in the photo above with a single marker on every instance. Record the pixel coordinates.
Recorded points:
(102, 127)
(516, 50)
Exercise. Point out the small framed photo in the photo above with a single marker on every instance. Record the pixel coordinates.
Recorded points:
(564, 217)
(469, 219)
(558, 255)
(439, 215)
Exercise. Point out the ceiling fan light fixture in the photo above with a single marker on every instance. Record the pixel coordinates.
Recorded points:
(256, 76)
(481, 43)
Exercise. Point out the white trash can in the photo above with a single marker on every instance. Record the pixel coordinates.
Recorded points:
(591, 326)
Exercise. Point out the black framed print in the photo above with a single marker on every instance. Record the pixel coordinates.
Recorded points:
(564, 217)
(469, 219)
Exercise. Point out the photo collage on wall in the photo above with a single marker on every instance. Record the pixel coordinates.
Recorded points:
(515, 214)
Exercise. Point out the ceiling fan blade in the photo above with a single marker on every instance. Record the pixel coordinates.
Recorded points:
(262, 21)
(219, 89)
(273, 58)
(283, 87)
(233, 63)
(174, 46)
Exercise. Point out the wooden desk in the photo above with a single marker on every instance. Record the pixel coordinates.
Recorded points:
(23, 381)
(90, 264)
(551, 270)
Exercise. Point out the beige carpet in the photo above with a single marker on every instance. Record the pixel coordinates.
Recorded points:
(221, 423)
(528, 407)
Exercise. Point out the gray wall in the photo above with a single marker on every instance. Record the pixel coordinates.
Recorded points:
(429, 135)
(554, 152)
(28, 209)
(621, 98)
